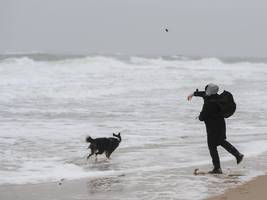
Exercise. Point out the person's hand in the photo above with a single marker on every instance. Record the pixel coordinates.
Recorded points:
(189, 97)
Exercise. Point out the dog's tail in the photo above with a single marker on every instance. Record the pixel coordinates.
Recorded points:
(89, 139)
(117, 136)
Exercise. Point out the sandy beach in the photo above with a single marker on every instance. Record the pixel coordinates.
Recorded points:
(254, 189)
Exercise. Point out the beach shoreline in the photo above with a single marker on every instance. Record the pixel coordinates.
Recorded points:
(254, 189)
(85, 188)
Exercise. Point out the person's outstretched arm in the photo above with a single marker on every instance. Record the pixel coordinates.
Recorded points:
(196, 94)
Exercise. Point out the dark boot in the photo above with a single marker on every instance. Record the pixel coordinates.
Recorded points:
(215, 171)
(239, 158)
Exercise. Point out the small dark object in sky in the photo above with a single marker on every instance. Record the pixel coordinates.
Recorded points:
(167, 30)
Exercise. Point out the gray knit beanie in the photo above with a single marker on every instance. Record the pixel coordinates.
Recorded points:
(211, 89)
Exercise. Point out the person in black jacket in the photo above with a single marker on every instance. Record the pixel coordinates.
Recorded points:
(215, 126)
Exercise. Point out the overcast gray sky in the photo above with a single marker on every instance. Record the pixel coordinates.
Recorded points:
(196, 27)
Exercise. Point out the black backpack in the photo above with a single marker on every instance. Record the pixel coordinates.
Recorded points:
(227, 104)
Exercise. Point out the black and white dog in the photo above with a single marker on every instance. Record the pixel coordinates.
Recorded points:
(101, 145)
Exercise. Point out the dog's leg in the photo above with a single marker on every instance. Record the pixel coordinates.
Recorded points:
(89, 155)
(110, 151)
(95, 157)
(98, 152)
(92, 153)
(107, 154)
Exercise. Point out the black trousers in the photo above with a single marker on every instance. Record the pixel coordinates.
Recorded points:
(214, 152)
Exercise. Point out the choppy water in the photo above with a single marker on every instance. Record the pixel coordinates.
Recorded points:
(48, 107)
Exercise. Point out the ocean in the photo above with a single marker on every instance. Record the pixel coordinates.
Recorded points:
(49, 104)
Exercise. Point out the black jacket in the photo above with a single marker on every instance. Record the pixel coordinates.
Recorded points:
(211, 115)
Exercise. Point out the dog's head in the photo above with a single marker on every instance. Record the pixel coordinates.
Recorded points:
(117, 136)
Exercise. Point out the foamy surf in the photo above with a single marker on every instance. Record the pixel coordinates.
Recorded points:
(48, 106)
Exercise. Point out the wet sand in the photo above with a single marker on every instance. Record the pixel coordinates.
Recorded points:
(56, 190)
(114, 188)
(255, 189)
